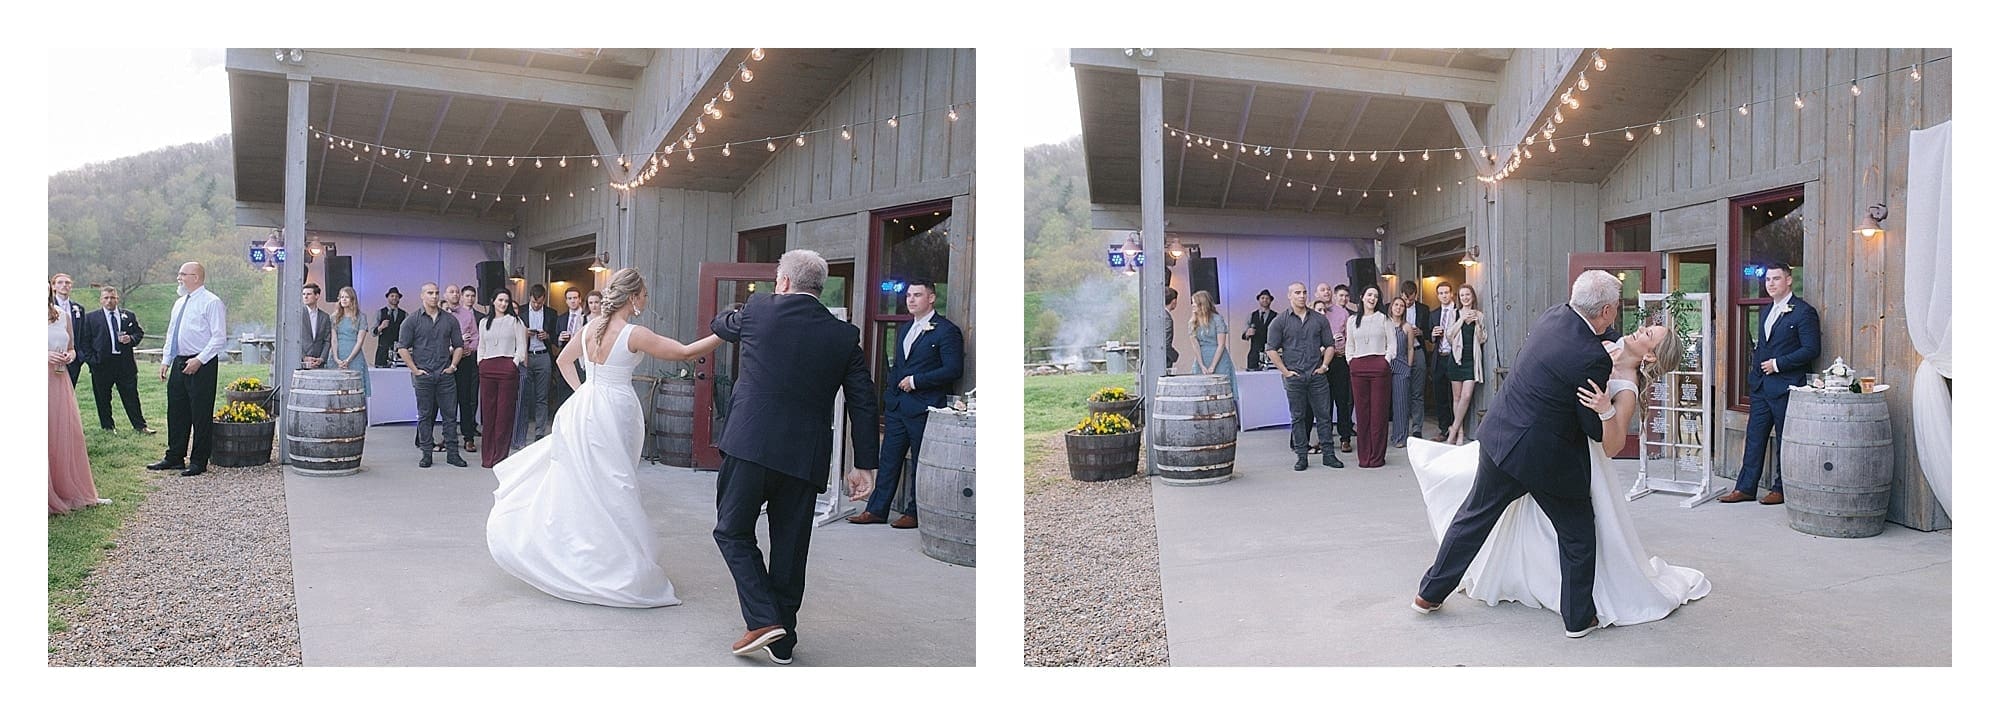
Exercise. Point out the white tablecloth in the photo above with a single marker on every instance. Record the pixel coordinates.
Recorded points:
(390, 398)
(1261, 399)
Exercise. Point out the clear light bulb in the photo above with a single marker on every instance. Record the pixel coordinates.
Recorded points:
(1743, 109)
(1559, 116)
(728, 95)
(747, 75)
(538, 162)
(725, 150)
(1597, 61)
(952, 113)
(1427, 155)
(1372, 155)
(770, 146)
(1798, 101)
(1854, 88)
(844, 133)
(1288, 155)
(1582, 82)
(801, 140)
(892, 122)
(757, 53)
(1916, 76)
(1400, 158)
(1628, 135)
(1700, 122)
(1586, 140)
(1656, 128)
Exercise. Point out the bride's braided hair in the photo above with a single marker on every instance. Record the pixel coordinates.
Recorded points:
(1666, 358)
(624, 285)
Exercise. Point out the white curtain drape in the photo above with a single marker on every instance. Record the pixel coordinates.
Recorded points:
(1927, 293)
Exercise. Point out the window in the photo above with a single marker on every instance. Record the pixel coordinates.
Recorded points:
(763, 245)
(1764, 229)
(1629, 234)
(911, 243)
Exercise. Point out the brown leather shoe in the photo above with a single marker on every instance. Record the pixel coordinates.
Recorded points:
(1346, 445)
(906, 521)
(1772, 498)
(1734, 496)
(866, 518)
(753, 641)
(1423, 606)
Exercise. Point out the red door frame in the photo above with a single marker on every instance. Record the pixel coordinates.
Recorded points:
(1651, 266)
(706, 455)
(1736, 393)
(870, 340)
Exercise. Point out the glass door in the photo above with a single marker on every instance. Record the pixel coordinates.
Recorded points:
(1640, 272)
(723, 286)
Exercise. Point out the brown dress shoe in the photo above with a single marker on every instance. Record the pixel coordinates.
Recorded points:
(1423, 606)
(1772, 498)
(753, 641)
(906, 521)
(1733, 497)
(866, 518)
(1346, 445)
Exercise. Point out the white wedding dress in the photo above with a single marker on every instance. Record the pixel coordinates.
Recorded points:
(1519, 560)
(567, 517)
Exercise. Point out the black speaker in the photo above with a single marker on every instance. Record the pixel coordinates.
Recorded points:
(1361, 273)
(1201, 275)
(339, 274)
(492, 279)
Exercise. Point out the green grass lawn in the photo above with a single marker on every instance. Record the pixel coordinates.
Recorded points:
(1054, 403)
(118, 460)
(154, 304)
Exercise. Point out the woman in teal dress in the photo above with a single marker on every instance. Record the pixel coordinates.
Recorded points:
(347, 337)
(1211, 337)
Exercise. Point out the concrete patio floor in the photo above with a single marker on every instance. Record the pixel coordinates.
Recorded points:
(391, 568)
(1277, 567)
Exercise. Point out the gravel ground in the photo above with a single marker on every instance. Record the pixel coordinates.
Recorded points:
(1092, 569)
(201, 575)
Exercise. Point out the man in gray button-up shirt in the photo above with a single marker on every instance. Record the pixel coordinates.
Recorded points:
(1300, 346)
(431, 345)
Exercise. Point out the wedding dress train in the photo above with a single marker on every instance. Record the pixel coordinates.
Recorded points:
(567, 516)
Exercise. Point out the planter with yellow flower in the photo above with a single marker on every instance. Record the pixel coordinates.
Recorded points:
(242, 436)
(251, 390)
(1102, 447)
(1117, 401)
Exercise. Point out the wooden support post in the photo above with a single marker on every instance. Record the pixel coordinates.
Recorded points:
(1152, 236)
(298, 98)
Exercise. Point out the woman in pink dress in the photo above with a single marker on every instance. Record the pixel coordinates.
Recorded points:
(70, 486)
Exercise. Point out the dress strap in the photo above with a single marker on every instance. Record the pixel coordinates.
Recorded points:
(1617, 385)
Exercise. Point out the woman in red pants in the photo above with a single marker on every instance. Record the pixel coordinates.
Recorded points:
(503, 348)
(1371, 343)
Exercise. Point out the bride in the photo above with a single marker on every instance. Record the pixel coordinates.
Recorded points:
(566, 517)
(1519, 560)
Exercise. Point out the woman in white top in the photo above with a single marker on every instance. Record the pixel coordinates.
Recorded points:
(503, 348)
(1371, 343)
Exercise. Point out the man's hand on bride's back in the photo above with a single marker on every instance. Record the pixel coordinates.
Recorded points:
(860, 483)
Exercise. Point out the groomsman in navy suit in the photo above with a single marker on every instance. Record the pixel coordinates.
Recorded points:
(106, 343)
(929, 358)
(1788, 342)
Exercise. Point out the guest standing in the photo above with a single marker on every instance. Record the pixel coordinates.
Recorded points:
(59, 287)
(1211, 340)
(571, 325)
(196, 333)
(347, 336)
(388, 324)
(1337, 378)
(70, 484)
(1259, 327)
(466, 309)
(1300, 346)
(1371, 343)
(1173, 356)
(1779, 361)
(1440, 383)
(930, 357)
(532, 421)
(1467, 368)
(1406, 371)
(431, 345)
(1423, 354)
(504, 341)
(315, 330)
(106, 343)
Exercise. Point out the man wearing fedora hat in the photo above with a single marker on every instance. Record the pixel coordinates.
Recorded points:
(1259, 326)
(388, 324)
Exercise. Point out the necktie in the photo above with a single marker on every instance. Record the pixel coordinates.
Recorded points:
(112, 318)
(174, 330)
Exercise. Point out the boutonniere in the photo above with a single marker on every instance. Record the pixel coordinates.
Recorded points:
(927, 327)
(1786, 308)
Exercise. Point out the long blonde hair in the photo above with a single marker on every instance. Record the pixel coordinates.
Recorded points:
(1204, 310)
(1666, 358)
(625, 285)
(339, 313)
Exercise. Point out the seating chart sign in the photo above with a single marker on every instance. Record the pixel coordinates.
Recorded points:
(1675, 450)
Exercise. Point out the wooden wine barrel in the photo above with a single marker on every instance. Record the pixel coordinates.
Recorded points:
(670, 431)
(329, 420)
(1101, 457)
(945, 487)
(1194, 429)
(241, 444)
(1837, 460)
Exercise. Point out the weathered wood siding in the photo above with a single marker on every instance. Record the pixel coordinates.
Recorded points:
(1849, 152)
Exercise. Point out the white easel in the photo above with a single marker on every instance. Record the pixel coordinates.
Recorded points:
(1682, 413)
(833, 504)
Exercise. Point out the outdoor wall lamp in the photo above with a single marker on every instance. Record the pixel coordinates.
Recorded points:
(1389, 272)
(597, 263)
(292, 56)
(1175, 251)
(1871, 223)
(1382, 230)
(1143, 53)
(1471, 257)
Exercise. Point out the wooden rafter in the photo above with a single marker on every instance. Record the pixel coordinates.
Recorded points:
(516, 168)
(1332, 164)
(1305, 107)
(1374, 173)
(1468, 134)
(1242, 127)
(381, 130)
(1187, 115)
(319, 177)
(479, 148)
(429, 143)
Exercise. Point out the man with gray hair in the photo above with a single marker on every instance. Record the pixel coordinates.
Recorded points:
(1535, 441)
(793, 356)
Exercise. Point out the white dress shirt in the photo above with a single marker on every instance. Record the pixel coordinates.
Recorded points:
(203, 327)
(111, 319)
(1777, 308)
(916, 328)
(505, 338)
(534, 322)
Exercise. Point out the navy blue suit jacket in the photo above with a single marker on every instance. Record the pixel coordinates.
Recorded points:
(936, 360)
(93, 340)
(1536, 431)
(794, 356)
(1794, 343)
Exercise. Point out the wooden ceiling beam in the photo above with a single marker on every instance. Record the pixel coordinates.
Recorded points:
(499, 108)
(381, 130)
(1187, 115)
(1374, 173)
(1309, 70)
(1297, 125)
(1242, 128)
(516, 168)
(617, 56)
(1346, 135)
(1468, 134)
(429, 143)
(444, 75)
(319, 177)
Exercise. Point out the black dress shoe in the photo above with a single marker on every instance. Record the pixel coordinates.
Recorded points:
(425, 461)
(194, 469)
(164, 465)
(148, 430)
(453, 459)
(1300, 465)
(1331, 460)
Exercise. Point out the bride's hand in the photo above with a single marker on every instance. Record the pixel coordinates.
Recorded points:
(1593, 397)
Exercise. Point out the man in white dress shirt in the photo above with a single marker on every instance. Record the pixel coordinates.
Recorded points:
(197, 331)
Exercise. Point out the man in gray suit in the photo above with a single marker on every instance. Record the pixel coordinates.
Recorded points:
(315, 331)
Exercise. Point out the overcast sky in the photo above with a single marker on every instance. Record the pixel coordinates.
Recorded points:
(183, 93)
(1050, 86)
